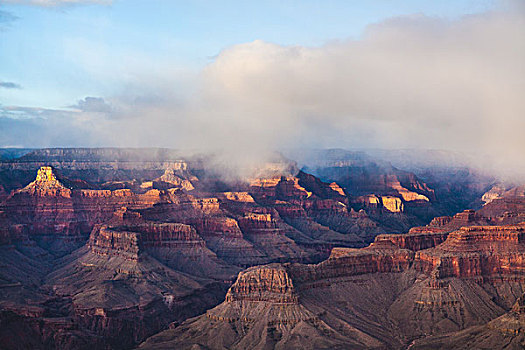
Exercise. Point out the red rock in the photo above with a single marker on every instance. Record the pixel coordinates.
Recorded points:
(477, 251)
(415, 241)
(47, 208)
(267, 283)
(46, 184)
(105, 241)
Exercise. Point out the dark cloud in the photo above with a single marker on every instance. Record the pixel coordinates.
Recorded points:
(93, 105)
(9, 85)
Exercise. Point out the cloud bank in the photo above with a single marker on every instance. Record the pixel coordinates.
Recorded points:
(409, 82)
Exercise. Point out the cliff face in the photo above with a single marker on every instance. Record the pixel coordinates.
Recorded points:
(465, 218)
(105, 241)
(477, 251)
(267, 283)
(128, 241)
(177, 245)
(176, 176)
(415, 240)
(240, 196)
(390, 203)
(379, 257)
(442, 225)
(507, 208)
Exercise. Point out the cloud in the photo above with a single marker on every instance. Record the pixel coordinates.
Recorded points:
(92, 104)
(409, 82)
(9, 85)
(53, 3)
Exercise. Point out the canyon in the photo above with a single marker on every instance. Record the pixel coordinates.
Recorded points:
(150, 248)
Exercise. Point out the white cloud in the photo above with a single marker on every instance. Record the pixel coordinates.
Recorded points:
(411, 81)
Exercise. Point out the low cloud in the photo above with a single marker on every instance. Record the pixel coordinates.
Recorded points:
(409, 82)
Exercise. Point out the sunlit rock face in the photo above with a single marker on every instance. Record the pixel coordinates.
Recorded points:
(243, 197)
(390, 203)
(477, 251)
(415, 240)
(172, 176)
(46, 184)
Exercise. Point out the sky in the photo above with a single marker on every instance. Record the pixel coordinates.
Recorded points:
(253, 76)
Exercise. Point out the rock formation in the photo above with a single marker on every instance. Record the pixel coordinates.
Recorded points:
(46, 185)
(381, 296)
(62, 218)
(105, 248)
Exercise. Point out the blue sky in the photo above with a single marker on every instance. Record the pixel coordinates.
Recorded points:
(51, 52)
